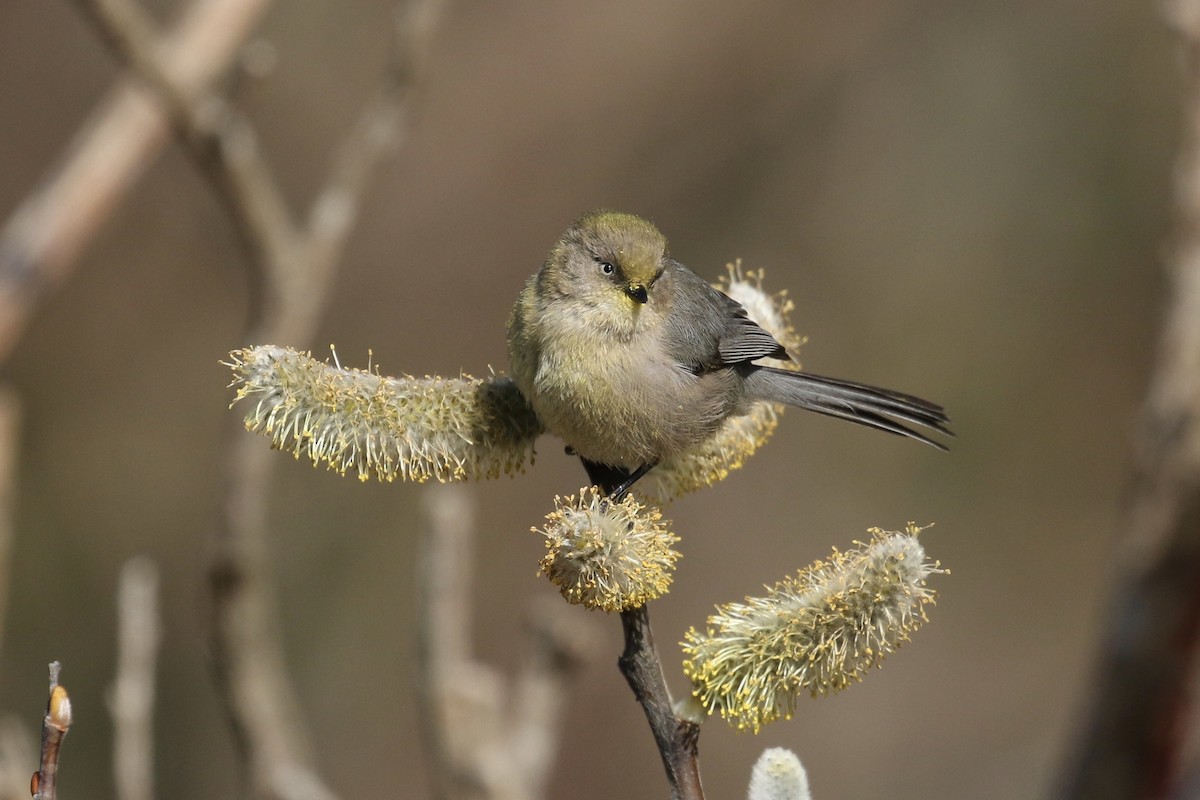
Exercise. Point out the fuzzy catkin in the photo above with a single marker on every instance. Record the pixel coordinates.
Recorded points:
(607, 555)
(360, 423)
(771, 311)
(739, 436)
(816, 632)
(778, 775)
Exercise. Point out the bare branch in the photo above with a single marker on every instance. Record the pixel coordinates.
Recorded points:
(560, 646)
(220, 140)
(54, 729)
(293, 267)
(41, 241)
(677, 739)
(247, 653)
(131, 700)
(379, 130)
(16, 754)
(485, 744)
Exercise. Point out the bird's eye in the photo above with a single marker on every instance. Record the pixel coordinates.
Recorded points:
(606, 267)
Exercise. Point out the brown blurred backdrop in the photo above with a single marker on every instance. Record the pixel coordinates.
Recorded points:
(966, 200)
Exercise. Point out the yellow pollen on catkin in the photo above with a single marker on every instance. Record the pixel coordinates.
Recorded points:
(361, 423)
(816, 632)
(607, 555)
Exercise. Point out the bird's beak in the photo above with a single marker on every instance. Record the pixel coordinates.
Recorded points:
(637, 292)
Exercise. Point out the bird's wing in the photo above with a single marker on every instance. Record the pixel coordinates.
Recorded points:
(745, 340)
(710, 330)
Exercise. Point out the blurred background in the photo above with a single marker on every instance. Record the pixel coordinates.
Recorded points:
(969, 201)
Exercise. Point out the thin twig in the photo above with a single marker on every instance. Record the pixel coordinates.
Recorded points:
(131, 701)
(485, 745)
(298, 260)
(678, 739)
(1136, 726)
(220, 140)
(42, 240)
(54, 729)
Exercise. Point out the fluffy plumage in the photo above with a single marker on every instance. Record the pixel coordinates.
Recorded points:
(631, 357)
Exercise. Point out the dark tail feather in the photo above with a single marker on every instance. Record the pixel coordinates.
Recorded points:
(866, 405)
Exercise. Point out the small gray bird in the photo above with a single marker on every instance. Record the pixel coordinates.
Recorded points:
(631, 357)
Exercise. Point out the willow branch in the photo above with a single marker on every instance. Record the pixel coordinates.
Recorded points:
(297, 270)
(560, 645)
(1136, 723)
(678, 740)
(55, 724)
(42, 240)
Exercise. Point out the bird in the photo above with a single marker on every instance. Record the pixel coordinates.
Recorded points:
(631, 358)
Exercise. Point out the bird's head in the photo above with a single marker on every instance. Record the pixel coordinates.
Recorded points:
(607, 260)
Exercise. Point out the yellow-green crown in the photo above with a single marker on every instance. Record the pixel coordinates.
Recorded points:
(636, 243)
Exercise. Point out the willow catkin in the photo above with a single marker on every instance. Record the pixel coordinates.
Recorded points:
(361, 423)
(816, 632)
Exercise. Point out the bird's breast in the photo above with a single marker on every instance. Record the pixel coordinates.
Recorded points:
(623, 402)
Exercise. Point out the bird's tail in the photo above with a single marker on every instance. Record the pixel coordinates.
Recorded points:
(866, 405)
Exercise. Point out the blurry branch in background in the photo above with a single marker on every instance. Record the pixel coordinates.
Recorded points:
(131, 699)
(1188, 785)
(40, 243)
(294, 259)
(1138, 718)
(16, 754)
(55, 725)
(10, 430)
(293, 264)
(486, 742)
(42, 240)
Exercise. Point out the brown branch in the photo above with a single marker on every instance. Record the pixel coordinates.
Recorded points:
(131, 699)
(248, 655)
(486, 743)
(678, 739)
(1137, 723)
(42, 240)
(54, 729)
(222, 143)
(297, 260)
